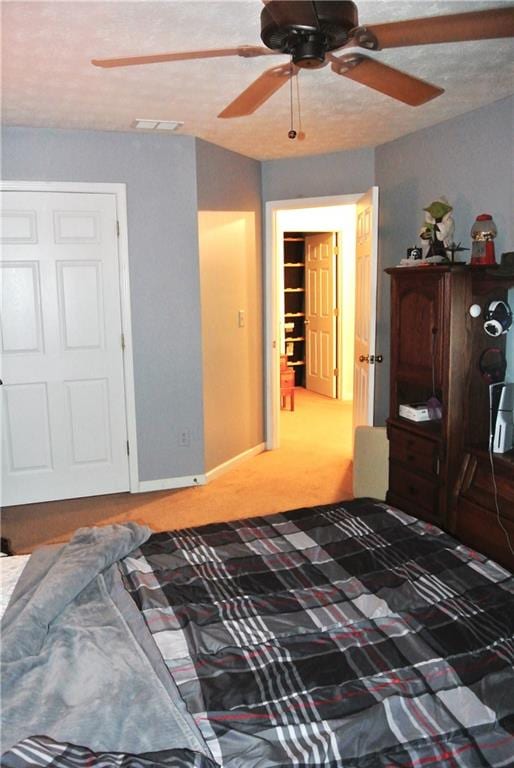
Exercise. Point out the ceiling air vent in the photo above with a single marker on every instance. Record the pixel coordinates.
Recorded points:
(157, 125)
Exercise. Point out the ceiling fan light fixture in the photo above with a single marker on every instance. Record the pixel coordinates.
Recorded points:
(290, 27)
(309, 51)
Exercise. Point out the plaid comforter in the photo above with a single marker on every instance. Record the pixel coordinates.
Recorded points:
(342, 635)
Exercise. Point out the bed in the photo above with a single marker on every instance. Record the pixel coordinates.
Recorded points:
(347, 635)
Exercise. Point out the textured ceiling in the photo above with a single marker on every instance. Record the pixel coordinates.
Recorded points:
(48, 79)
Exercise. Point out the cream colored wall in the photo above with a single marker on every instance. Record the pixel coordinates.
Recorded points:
(230, 280)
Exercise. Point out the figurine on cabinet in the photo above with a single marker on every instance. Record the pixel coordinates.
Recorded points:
(438, 229)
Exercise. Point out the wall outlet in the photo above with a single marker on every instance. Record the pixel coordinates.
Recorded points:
(184, 438)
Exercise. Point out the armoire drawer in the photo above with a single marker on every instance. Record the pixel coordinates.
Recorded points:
(479, 486)
(478, 527)
(418, 490)
(415, 451)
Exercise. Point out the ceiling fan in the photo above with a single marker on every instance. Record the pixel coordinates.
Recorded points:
(309, 31)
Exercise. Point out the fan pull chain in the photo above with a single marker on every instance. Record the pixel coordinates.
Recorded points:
(292, 132)
(301, 134)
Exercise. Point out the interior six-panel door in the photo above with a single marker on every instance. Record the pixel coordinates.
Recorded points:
(64, 422)
(320, 313)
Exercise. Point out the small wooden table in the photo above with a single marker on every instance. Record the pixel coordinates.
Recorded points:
(287, 387)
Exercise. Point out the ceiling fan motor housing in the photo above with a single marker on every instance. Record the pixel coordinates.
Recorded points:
(307, 44)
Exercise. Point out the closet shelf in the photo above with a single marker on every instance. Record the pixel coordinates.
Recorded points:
(293, 304)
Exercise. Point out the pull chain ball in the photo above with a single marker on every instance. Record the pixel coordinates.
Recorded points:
(291, 134)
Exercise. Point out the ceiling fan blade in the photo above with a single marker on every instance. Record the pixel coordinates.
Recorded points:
(259, 91)
(283, 12)
(411, 90)
(246, 51)
(458, 27)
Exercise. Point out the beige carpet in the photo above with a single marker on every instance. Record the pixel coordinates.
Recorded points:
(312, 466)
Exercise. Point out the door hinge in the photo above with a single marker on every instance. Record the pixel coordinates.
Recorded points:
(117, 228)
(123, 341)
(336, 371)
(336, 250)
(128, 448)
(336, 312)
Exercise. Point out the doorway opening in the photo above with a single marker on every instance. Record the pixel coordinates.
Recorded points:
(313, 277)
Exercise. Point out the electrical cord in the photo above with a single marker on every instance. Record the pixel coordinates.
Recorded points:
(434, 334)
(495, 487)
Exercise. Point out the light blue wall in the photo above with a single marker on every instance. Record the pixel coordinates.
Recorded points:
(160, 174)
(469, 160)
(227, 181)
(337, 173)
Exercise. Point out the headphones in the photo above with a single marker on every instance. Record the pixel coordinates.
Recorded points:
(492, 365)
(497, 318)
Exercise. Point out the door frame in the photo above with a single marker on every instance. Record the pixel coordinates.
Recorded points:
(271, 319)
(119, 191)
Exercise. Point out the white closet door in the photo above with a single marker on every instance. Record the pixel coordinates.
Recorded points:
(64, 430)
(320, 285)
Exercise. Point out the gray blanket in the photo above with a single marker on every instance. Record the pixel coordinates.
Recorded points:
(78, 664)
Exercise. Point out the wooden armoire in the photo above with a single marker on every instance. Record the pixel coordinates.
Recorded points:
(438, 469)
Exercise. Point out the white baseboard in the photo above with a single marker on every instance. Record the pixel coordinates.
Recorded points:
(231, 463)
(167, 483)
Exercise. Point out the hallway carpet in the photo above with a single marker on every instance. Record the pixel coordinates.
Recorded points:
(312, 466)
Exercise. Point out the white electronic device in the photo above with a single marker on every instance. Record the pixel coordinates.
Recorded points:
(501, 401)
(429, 411)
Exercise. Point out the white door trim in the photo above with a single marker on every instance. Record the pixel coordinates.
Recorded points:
(120, 194)
(271, 327)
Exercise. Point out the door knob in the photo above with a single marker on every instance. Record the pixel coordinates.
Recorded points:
(363, 358)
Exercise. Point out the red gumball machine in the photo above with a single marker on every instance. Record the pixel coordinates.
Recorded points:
(483, 233)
